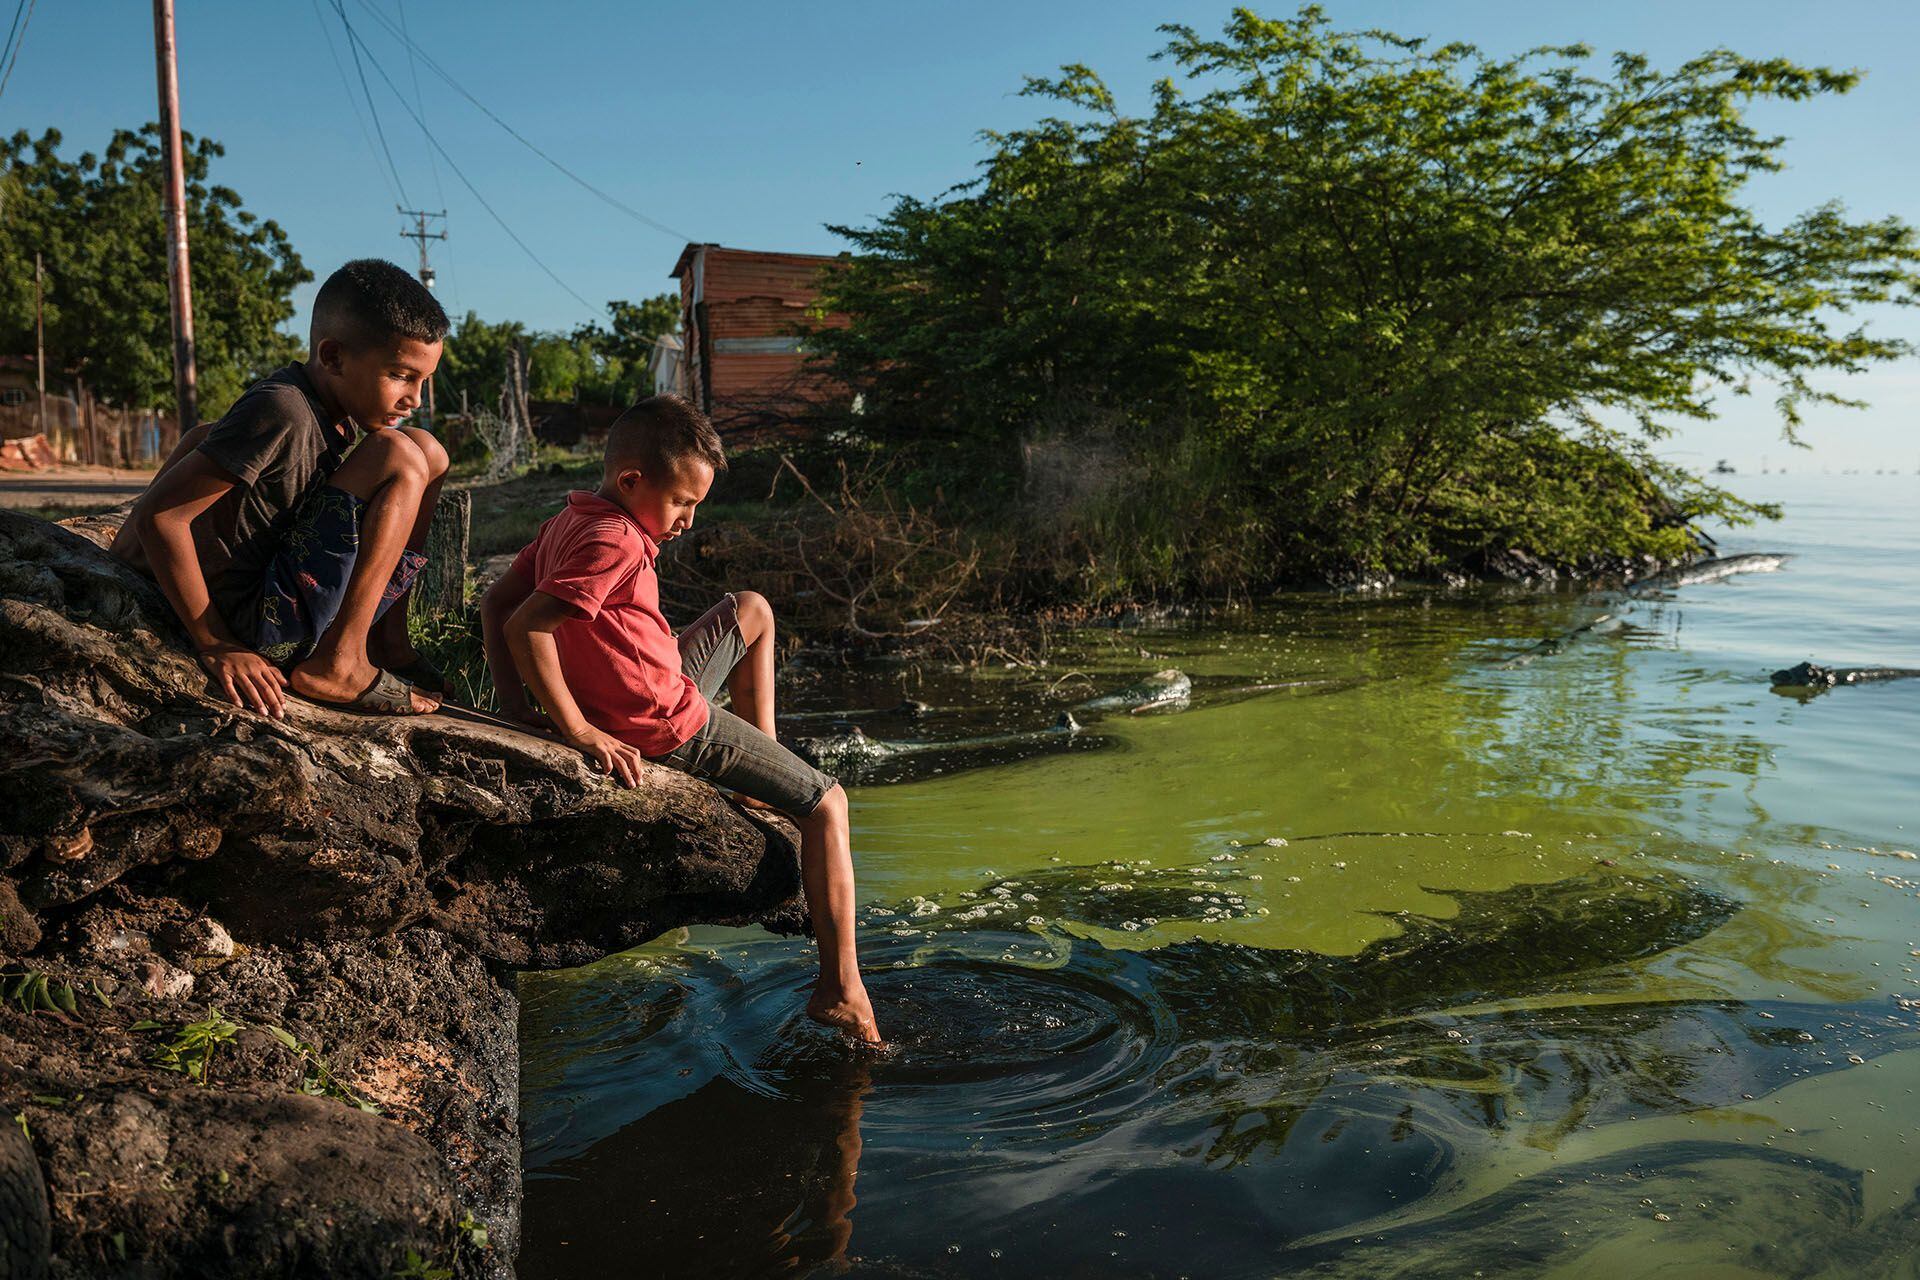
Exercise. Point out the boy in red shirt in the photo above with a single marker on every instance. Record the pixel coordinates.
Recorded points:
(577, 620)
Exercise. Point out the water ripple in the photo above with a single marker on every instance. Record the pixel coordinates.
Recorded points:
(976, 1037)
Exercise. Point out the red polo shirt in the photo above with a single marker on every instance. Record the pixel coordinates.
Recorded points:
(617, 652)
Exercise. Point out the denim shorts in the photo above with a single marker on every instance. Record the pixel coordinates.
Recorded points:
(728, 751)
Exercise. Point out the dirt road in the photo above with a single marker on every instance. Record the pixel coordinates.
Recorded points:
(70, 488)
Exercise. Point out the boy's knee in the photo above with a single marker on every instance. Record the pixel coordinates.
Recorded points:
(832, 805)
(394, 456)
(752, 608)
(430, 449)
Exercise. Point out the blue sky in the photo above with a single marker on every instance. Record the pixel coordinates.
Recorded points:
(756, 124)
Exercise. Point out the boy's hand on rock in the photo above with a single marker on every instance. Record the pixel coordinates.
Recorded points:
(609, 753)
(246, 678)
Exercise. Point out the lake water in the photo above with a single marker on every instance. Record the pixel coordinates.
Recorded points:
(1448, 956)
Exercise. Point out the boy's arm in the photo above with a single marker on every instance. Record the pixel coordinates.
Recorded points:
(126, 542)
(529, 634)
(496, 606)
(163, 522)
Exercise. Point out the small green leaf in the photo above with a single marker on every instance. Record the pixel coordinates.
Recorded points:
(471, 1229)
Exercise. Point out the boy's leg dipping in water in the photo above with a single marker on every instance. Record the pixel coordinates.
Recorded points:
(659, 467)
(826, 855)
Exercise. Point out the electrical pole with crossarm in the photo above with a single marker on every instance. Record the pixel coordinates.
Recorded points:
(422, 235)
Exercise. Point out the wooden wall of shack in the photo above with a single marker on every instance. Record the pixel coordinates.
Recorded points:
(741, 311)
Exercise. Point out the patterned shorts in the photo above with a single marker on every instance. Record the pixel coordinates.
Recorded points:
(307, 579)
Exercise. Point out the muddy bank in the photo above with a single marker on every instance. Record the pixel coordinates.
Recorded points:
(258, 1013)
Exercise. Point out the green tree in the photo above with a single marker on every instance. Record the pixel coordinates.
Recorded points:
(98, 225)
(633, 326)
(559, 366)
(597, 364)
(623, 349)
(1382, 301)
(473, 359)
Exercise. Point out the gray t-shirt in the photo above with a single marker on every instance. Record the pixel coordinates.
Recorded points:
(279, 442)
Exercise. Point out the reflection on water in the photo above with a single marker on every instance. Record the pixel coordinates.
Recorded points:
(1601, 964)
(725, 1181)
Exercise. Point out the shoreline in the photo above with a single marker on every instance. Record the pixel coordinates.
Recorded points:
(1019, 637)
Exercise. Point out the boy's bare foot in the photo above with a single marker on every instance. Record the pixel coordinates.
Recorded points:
(353, 687)
(848, 1011)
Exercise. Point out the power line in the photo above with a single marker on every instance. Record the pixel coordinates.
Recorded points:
(366, 136)
(413, 70)
(353, 47)
(353, 37)
(433, 165)
(6, 53)
(517, 136)
(20, 7)
(16, 38)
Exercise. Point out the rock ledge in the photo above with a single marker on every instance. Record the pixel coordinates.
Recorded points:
(350, 895)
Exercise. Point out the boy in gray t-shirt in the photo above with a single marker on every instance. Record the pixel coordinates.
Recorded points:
(283, 543)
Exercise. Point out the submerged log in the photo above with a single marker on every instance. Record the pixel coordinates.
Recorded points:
(349, 894)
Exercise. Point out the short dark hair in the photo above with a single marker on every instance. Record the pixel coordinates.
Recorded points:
(660, 432)
(370, 301)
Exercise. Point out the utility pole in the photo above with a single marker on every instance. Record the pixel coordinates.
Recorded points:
(422, 235)
(179, 278)
(39, 342)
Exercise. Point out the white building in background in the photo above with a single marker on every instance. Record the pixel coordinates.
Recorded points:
(667, 366)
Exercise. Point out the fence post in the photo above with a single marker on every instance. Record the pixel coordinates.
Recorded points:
(87, 424)
(441, 587)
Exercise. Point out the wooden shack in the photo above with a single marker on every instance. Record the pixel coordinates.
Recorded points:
(742, 358)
